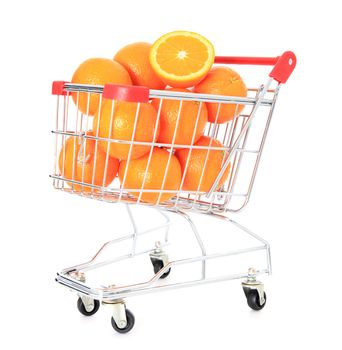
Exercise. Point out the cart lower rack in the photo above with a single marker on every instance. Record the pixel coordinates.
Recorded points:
(240, 141)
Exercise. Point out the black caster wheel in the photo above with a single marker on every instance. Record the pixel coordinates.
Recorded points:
(158, 265)
(253, 299)
(81, 308)
(130, 323)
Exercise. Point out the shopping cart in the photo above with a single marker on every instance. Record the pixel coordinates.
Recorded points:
(242, 139)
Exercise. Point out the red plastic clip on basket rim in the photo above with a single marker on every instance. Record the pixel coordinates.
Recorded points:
(283, 67)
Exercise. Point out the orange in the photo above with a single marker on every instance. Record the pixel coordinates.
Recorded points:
(187, 120)
(76, 162)
(120, 126)
(196, 165)
(97, 71)
(182, 59)
(135, 58)
(222, 81)
(137, 169)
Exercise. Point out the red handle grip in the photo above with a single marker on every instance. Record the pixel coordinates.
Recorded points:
(126, 93)
(283, 65)
(262, 61)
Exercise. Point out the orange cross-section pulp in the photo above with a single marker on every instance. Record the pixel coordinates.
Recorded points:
(182, 59)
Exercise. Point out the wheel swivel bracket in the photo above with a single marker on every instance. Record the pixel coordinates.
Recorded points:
(159, 254)
(252, 283)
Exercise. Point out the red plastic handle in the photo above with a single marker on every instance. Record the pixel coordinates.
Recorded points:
(126, 93)
(283, 65)
(262, 61)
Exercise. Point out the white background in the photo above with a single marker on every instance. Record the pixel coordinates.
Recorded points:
(296, 203)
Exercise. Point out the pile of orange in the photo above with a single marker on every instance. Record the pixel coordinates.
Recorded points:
(179, 62)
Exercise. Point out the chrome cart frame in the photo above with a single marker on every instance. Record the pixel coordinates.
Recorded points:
(232, 197)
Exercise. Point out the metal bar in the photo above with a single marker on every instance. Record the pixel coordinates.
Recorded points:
(114, 241)
(171, 150)
(122, 187)
(222, 217)
(174, 95)
(229, 141)
(168, 222)
(96, 143)
(174, 263)
(185, 96)
(89, 267)
(116, 192)
(56, 142)
(100, 295)
(111, 122)
(150, 152)
(237, 141)
(269, 261)
(252, 234)
(74, 87)
(135, 229)
(198, 238)
(63, 138)
(104, 176)
(145, 143)
(189, 154)
(259, 153)
(130, 293)
(239, 156)
(74, 143)
(86, 267)
(214, 125)
(85, 141)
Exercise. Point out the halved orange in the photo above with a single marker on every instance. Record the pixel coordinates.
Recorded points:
(181, 58)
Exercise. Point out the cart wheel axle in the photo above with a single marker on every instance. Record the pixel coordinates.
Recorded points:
(91, 309)
(253, 299)
(130, 320)
(158, 265)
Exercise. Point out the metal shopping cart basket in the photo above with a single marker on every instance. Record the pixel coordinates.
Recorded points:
(242, 140)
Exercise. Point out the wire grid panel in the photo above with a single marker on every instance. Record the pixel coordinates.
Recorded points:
(241, 143)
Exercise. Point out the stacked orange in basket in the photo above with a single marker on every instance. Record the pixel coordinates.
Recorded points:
(162, 131)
